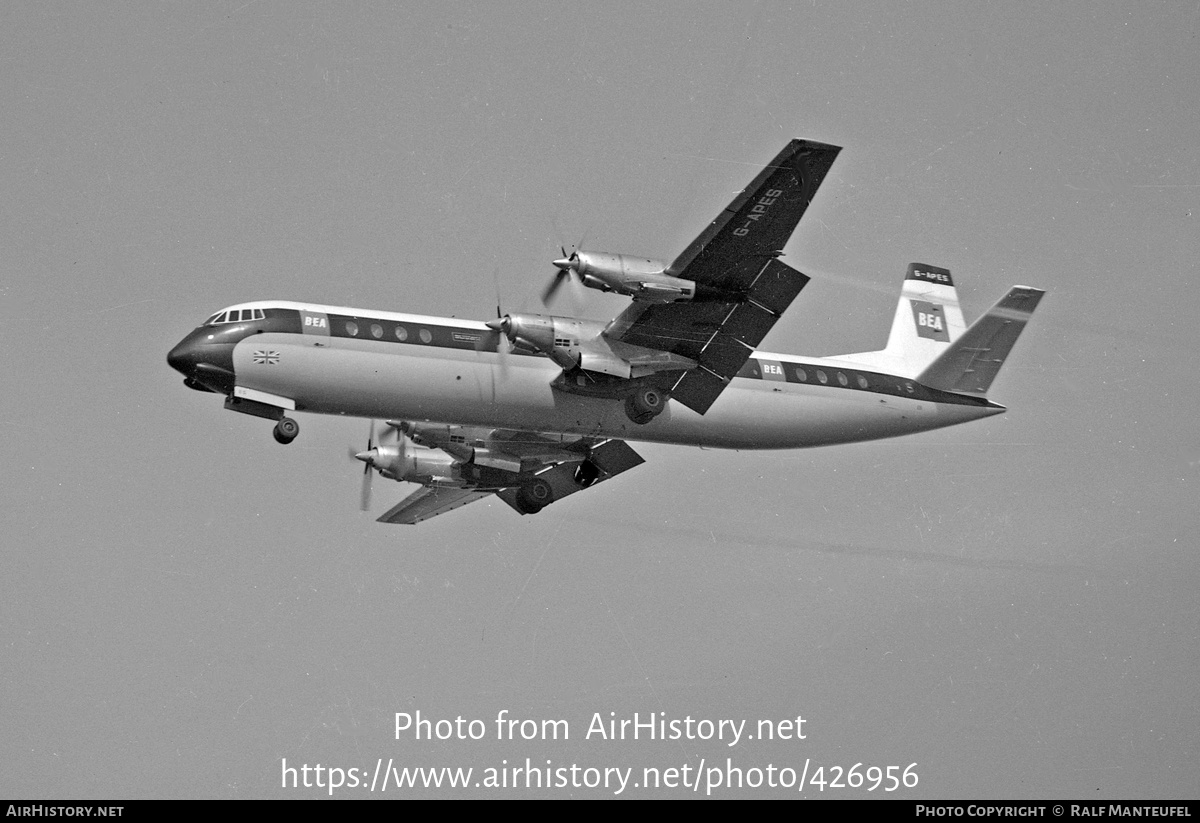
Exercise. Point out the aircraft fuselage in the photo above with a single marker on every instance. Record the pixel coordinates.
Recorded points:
(383, 365)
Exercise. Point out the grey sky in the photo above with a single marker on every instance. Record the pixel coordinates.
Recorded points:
(1009, 604)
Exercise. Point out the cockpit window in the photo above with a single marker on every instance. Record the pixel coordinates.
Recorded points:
(235, 316)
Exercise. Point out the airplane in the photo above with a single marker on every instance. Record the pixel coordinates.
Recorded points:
(533, 408)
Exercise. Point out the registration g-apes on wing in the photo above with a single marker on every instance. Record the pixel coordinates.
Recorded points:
(533, 408)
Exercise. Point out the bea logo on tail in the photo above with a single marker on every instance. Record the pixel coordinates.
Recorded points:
(930, 320)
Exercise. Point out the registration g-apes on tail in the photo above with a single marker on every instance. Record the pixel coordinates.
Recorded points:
(532, 408)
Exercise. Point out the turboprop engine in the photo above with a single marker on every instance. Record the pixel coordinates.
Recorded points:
(405, 460)
(638, 277)
(556, 337)
(641, 278)
(580, 344)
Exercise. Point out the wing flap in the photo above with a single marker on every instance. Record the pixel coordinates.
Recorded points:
(743, 328)
(699, 389)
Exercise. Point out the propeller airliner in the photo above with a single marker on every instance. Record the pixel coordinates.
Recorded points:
(533, 408)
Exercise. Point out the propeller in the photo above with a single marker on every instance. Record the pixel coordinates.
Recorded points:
(565, 266)
(500, 324)
(368, 457)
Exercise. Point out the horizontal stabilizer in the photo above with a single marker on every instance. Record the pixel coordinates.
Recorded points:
(971, 362)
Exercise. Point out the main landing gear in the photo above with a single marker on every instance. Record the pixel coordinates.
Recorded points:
(645, 404)
(534, 496)
(286, 430)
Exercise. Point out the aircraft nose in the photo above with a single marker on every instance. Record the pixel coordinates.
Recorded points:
(205, 366)
(182, 358)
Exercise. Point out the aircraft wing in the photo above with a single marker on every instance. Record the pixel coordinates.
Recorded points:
(737, 253)
(430, 501)
(561, 469)
(760, 220)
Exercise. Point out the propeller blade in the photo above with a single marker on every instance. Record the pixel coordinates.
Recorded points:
(566, 264)
(503, 350)
(389, 433)
(555, 284)
(366, 456)
(364, 495)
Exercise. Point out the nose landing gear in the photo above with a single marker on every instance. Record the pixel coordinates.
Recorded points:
(286, 430)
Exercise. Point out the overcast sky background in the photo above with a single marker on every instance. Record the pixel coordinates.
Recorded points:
(1010, 604)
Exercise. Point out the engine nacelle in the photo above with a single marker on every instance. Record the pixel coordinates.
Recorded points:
(405, 460)
(612, 271)
(641, 278)
(556, 337)
(638, 277)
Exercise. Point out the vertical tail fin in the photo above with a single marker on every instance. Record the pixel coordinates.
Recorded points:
(928, 318)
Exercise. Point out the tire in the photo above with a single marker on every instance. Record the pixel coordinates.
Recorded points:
(286, 430)
(525, 507)
(535, 496)
(649, 400)
(639, 417)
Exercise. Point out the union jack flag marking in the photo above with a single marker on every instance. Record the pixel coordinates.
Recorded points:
(269, 357)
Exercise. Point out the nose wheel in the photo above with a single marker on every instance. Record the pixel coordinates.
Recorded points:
(286, 430)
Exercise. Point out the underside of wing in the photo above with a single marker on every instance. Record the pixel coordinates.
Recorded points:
(736, 254)
(539, 471)
(758, 223)
(718, 336)
(430, 501)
